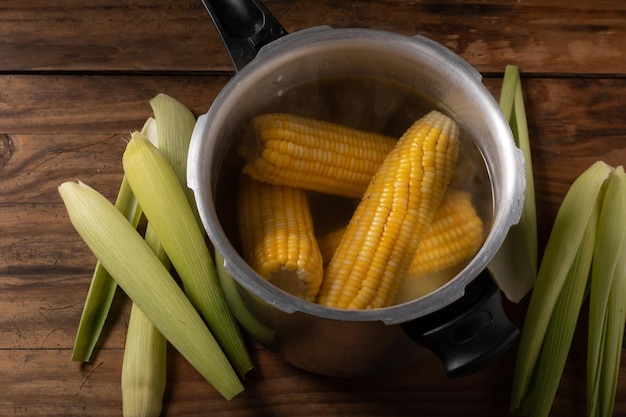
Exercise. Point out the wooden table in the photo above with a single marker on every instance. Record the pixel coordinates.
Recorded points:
(75, 79)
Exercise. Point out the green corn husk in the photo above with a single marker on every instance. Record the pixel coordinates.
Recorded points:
(563, 245)
(248, 321)
(562, 326)
(606, 313)
(142, 276)
(144, 364)
(102, 287)
(173, 219)
(612, 345)
(514, 267)
(174, 126)
(144, 367)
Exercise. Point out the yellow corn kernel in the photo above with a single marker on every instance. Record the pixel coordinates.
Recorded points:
(454, 235)
(305, 153)
(278, 241)
(399, 204)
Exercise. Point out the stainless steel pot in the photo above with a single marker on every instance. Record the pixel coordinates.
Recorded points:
(463, 321)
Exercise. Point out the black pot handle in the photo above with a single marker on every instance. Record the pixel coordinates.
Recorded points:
(245, 27)
(470, 333)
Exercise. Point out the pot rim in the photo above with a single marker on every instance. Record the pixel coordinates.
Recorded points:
(304, 42)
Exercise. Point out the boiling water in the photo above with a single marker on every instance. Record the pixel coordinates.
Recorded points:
(367, 104)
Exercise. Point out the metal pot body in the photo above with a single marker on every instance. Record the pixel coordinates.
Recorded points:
(334, 341)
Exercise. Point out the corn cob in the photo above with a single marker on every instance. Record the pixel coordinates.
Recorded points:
(398, 205)
(454, 235)
(315, 155)
(277, 236)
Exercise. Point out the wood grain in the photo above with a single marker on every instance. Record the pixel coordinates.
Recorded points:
(277, 389)
(45, 267)
(75, 80)
(138, 35)
(94, 103)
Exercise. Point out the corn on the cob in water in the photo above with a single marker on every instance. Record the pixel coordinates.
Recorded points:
(399, 204)
(305, 153)
(276, 230)
(454, 235)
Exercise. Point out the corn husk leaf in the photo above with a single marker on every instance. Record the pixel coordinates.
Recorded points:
(144, 364)
(173, 220)
(144, 367)
(563, 245)
(606, 315)
(514, 266)
(174, 125)
(248, 321)
(612, 345)
(142, 276)
(560, 331)
(103, 287)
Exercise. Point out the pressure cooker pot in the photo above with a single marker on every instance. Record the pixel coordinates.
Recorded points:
(374, 80)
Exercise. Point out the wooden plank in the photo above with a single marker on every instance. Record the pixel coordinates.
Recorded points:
(277, 390)
(46, 270)
(39, 163)
(137, 35)
(571, 126)
(85, 104)
(43, 312)
(62, 388)
(75, 79)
